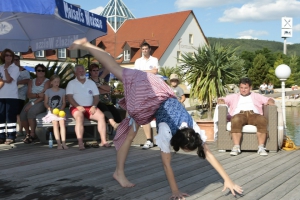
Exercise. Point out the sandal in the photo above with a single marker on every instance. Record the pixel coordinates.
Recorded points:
(29, 139)
(107, 145)
(9, 141)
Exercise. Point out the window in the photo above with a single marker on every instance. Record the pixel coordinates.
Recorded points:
(179, 56)
(39, 54)
(191, 39)
(61, 53)
(126, 55)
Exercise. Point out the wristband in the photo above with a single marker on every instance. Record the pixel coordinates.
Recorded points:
(94, 106)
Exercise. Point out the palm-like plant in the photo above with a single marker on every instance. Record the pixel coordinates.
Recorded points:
(207, 71)
(167, 71)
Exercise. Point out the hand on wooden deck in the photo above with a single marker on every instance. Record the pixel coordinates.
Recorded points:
(232, 187)
(179, 195)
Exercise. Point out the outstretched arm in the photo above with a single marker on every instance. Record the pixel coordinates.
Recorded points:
(166, 159)
(104, 58)
(227, 181)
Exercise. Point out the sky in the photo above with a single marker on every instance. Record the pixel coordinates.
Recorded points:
(246, 19)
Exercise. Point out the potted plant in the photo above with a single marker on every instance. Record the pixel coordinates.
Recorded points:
(207, 71)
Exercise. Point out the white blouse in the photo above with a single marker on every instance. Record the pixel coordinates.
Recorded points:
(164, 135)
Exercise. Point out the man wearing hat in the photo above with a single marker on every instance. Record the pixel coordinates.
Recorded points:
(174, 82)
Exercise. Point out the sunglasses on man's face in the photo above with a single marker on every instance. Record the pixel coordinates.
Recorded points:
(39, 70)
(95, 70)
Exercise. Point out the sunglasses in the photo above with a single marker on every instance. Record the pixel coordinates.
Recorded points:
(8, 55)
(40, 70)
(95, 70)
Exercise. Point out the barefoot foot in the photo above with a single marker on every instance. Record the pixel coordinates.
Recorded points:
(65, 146)
(123, 180)
(81, 146)
(60, 147)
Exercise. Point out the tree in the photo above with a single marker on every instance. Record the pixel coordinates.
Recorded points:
(207, 71)
(258, 73)
(248, 58)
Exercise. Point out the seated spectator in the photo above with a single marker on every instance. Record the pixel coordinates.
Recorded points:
(35, 106)
(270, 89)
(295, 96)
(246, 109)
(83, 96)
(178, 91)
(111, 113)
(263, 88)
(55, 98)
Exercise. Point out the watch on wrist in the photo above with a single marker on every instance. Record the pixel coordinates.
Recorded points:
(32, 103)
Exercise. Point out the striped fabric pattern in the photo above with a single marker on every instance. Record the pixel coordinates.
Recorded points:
(143, 94)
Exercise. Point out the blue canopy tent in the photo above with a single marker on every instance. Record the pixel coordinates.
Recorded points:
(30, 69)
(46, 24)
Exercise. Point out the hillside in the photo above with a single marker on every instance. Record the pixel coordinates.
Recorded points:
(253, 45)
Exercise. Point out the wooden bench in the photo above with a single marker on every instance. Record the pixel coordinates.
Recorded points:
(41, 127)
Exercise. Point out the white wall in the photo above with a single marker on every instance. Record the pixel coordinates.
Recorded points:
(181, 42)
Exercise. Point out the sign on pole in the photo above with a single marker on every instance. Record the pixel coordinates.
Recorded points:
(286, 27)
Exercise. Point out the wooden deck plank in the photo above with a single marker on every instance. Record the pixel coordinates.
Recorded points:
(284, 188)
(255, 175)
(294, 194)
(43, 173)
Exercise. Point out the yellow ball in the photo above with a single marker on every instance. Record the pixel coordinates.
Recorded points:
(55, 111)
(62, 113)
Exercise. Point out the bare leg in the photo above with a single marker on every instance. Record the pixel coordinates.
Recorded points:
(79, 130)
(113, 123)
(261, 137)
(63, 133)
(56, 134)
(147, 130)
(32, 124)
(106, 60)
(99, 117)
(20, 124)
(122, 153)
(236, 137)
(25, 124)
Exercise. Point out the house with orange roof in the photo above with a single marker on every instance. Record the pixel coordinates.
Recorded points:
(169, 35)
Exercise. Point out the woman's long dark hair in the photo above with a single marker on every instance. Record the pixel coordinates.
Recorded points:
(187, 138)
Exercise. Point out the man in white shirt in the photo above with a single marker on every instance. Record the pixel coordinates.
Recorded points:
(83, 96)
(263, 88)
(147, 63)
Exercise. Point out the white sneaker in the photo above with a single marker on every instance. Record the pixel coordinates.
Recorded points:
(235, 151)
(148, 145)
(262, 151)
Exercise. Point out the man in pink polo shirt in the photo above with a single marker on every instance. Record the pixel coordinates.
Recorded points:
(245, 108)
